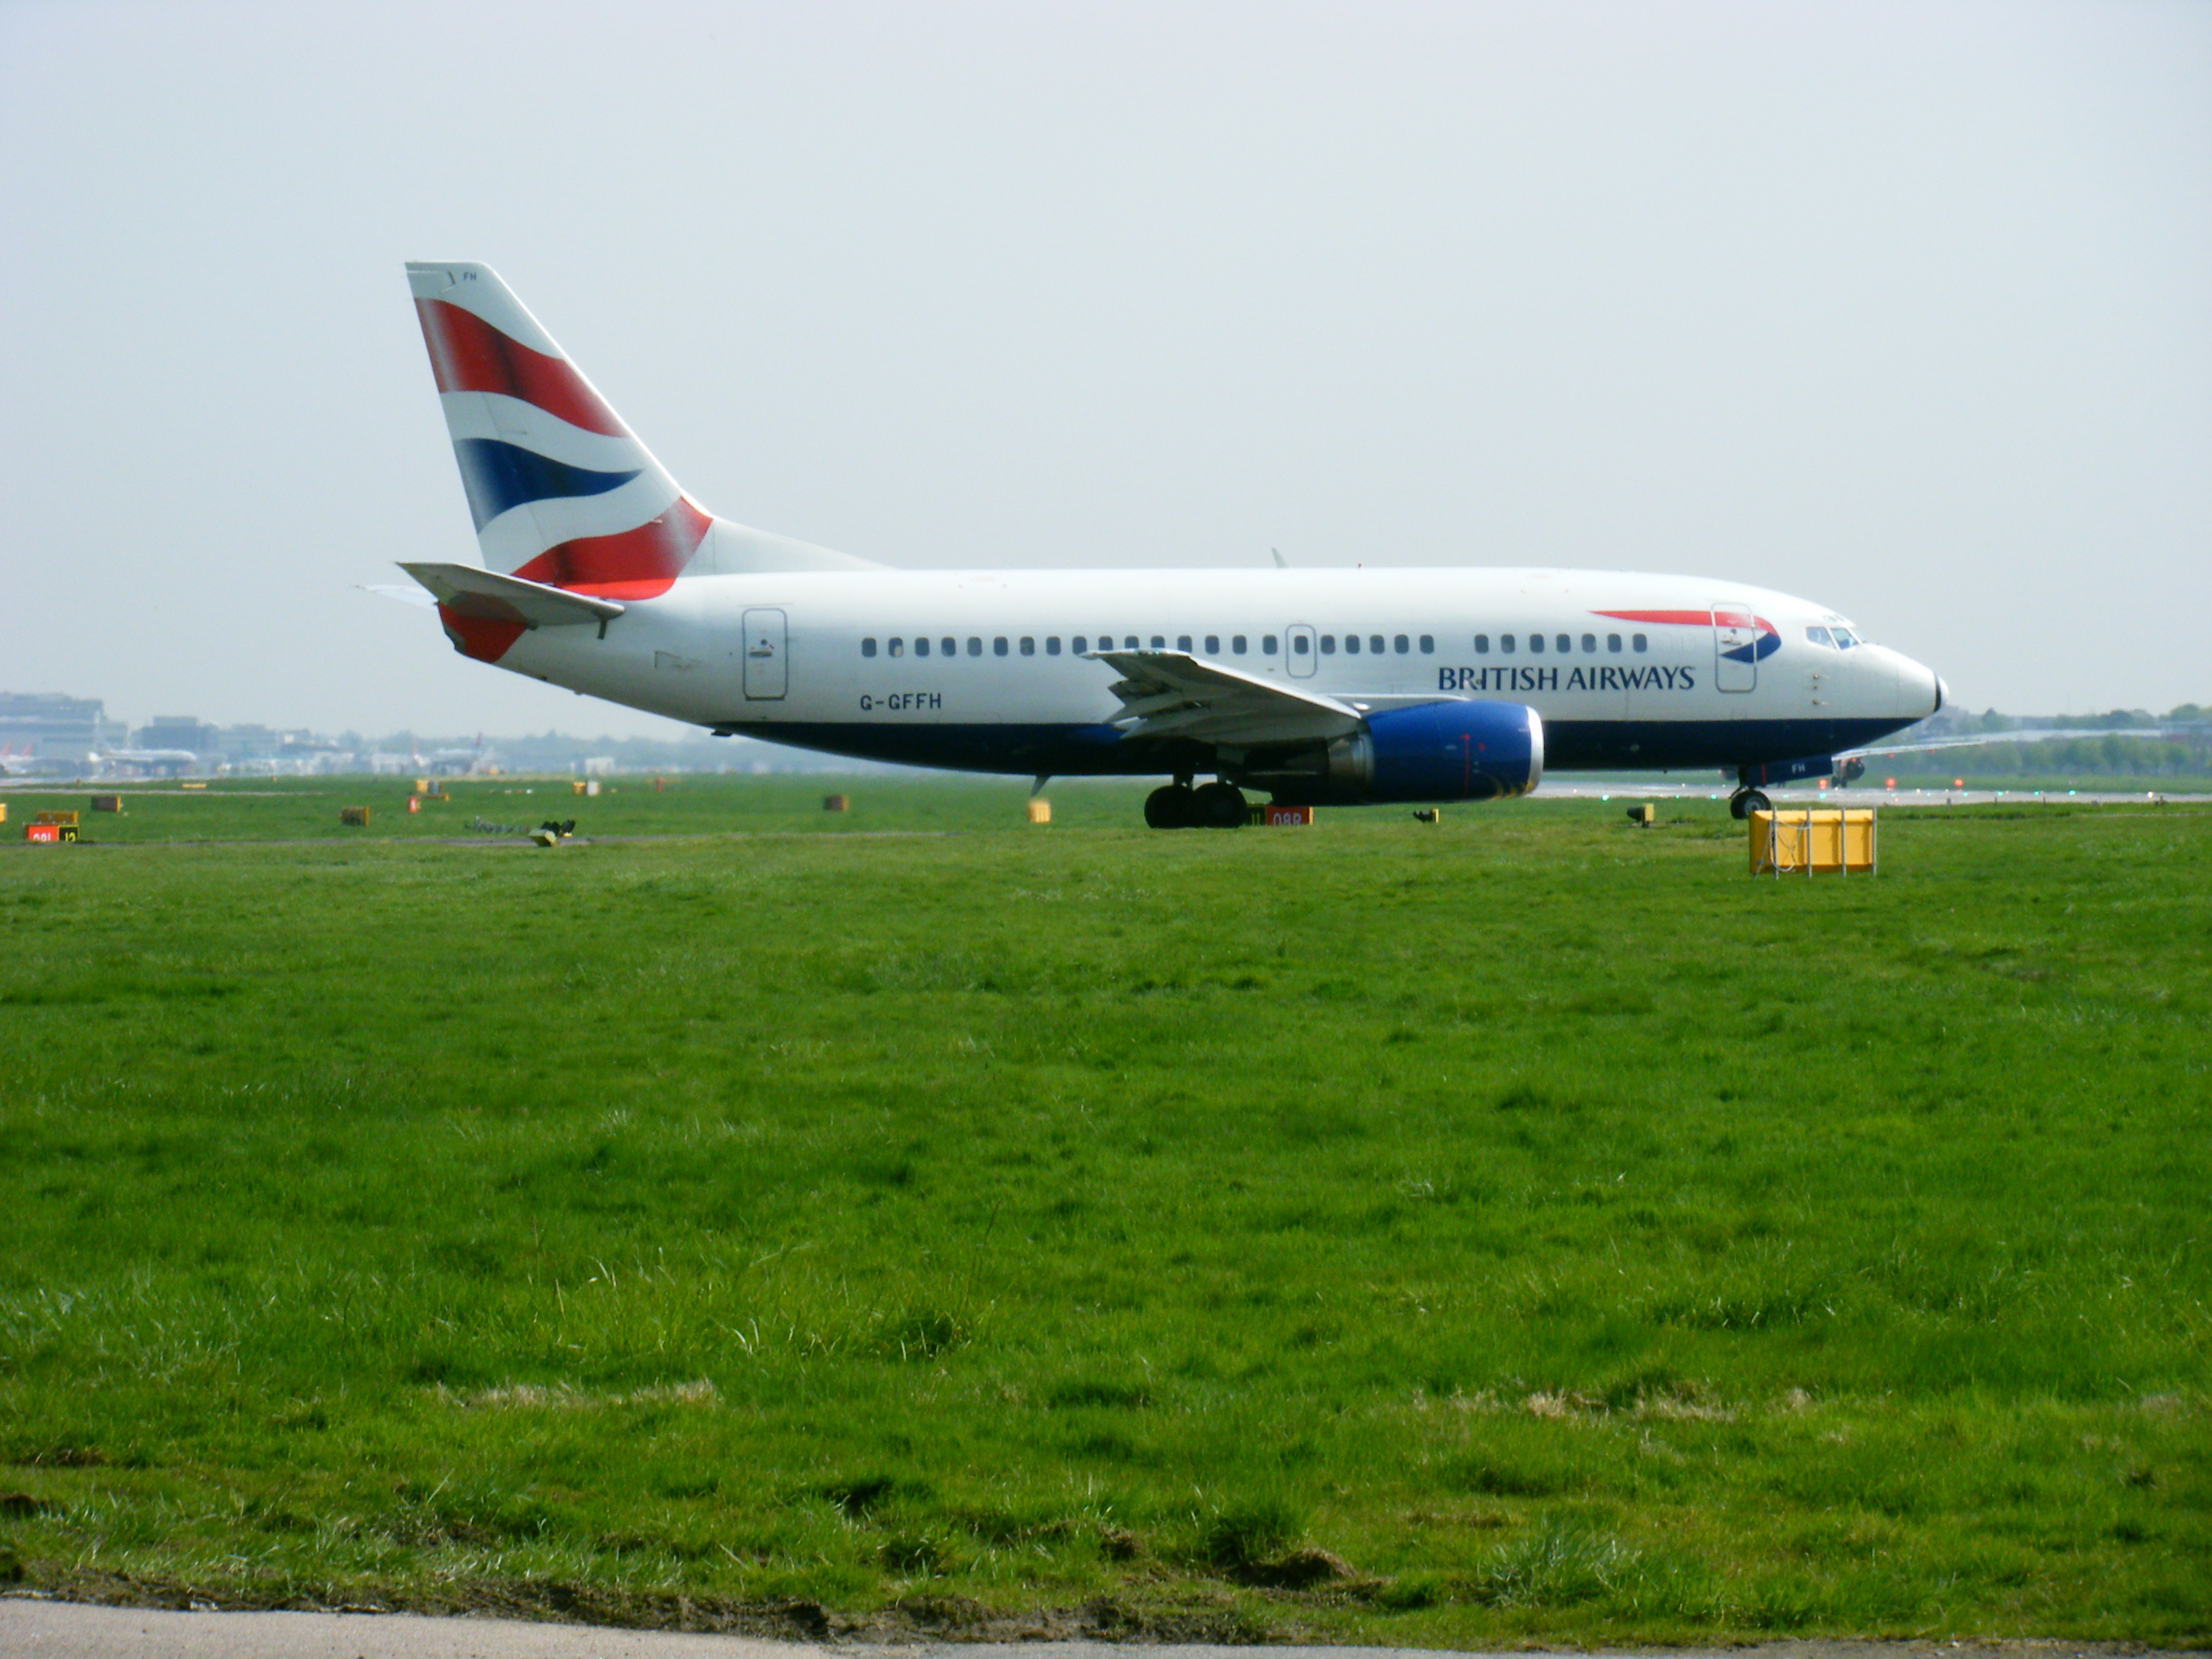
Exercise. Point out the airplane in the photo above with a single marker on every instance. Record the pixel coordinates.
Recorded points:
(173, 761)
(599, 574)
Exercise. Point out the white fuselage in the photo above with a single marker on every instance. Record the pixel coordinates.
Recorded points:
(993, 671)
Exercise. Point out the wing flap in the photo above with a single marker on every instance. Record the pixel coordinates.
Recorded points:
(1172, 694)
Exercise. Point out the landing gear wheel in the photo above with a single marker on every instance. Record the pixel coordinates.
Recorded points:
(1220, 806)
(1171, 806)
(1745, 802)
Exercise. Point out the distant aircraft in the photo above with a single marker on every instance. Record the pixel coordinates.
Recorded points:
(453, 763)
(171, 761)
(12, 765)
(600, 575)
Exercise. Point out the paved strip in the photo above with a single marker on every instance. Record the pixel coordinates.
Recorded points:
(34, 1628)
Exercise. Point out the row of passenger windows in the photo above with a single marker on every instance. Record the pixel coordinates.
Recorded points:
(1239, 645)
(1563, 643)
(1352, 644)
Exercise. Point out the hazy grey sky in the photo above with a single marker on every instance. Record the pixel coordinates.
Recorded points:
(1905, 308)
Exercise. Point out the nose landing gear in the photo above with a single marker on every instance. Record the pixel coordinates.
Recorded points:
(1745, 802)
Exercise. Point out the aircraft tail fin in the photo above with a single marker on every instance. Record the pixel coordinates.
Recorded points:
(562, 491)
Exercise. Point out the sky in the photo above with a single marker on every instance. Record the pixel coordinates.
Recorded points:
(1905, 308)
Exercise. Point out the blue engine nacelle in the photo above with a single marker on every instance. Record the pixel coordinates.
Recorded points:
(1432, 752)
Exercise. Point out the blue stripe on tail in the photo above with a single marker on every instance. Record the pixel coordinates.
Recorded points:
(498, 475)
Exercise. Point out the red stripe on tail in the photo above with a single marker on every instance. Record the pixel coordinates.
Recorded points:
(484, 638)
(467, 354)
(632, 564)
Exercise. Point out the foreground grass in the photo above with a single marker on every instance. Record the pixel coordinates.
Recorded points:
(1523, 1227)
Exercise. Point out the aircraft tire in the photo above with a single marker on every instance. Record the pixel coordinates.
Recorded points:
(1171, 806)
(1745, 802)
(1220, 806)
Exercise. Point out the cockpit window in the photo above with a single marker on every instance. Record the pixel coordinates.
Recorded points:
(1845, 638)
(1819, 636)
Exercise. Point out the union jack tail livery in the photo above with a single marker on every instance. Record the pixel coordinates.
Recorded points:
(561, 491)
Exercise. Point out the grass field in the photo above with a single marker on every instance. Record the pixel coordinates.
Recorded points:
(1523, 1227)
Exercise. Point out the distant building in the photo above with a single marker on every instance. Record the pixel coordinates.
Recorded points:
(48, 725)
(178, 731)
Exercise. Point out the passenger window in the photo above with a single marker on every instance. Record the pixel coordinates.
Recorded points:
(1612, 642)
(1328, 645)
(898, 647)
(1481, 644)
(1237, 645)
(1080, 644)
(867, 648)
(1375, 644)
(1565, 644)
(1052, 645)
(1535, 642)
(1182, 641)
(1401, 644)
(1428, 644)
(1590, 644)
(1351, 644)
(952, 647)
(1029, 646)
(1266, 645)
(998, 646)
(1213, 645)
(1129, 642)
(1159, 642)
(1505, 644)
(921, 648)
(1639, 642)
(975, 646)
(1297, 644)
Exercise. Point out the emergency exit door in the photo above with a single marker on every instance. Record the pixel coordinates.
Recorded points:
(765, 675)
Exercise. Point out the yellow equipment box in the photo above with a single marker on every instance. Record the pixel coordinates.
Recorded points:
(1813, 840)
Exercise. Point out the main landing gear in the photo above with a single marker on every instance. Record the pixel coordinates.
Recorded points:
(1212, 807)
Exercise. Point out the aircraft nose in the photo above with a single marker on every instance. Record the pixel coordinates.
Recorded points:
(1921, 688)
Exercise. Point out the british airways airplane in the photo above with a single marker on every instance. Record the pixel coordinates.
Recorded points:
(601, 574)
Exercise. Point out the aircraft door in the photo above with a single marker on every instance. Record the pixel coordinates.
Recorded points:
(1736, 649)
(1299, 650)
(764, 640)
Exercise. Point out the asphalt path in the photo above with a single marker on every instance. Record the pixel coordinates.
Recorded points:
(34, 1628)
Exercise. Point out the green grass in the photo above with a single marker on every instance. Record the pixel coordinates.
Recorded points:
(1524, 1227)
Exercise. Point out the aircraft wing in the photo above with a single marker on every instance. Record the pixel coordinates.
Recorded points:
(1984, 740)
(474, 592)
(1171, 694)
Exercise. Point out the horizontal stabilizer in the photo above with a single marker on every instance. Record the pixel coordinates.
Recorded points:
(468, 592)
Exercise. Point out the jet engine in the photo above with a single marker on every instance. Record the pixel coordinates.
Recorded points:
(1431, 751)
